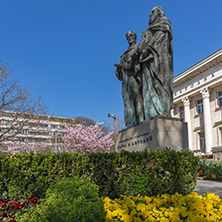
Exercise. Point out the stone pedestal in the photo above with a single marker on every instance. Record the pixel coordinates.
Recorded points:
(157, 132)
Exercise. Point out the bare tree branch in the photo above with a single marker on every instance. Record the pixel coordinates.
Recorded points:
(18, 108)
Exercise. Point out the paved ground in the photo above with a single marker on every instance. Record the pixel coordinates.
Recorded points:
(208, 186)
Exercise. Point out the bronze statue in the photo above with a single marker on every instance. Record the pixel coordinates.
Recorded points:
(146, 71)
(156, 56)
(128, 71)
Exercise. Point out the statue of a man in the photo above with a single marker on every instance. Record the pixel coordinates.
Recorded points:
(128, 71)
(156, 56)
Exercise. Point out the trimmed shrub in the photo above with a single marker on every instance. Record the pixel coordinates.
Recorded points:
(144, 173)
(70, 199)
(130, 173)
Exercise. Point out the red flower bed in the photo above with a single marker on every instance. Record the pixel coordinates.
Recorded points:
(7, 210)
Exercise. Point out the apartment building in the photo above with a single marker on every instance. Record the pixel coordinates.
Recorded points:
(198, 100)
(32, 128)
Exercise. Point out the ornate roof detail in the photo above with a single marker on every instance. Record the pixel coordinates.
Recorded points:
(202, 66)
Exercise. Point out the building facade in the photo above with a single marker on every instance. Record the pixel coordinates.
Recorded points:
(198, 100)
(32, 128)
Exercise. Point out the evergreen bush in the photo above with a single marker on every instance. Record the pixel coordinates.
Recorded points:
(70, 199)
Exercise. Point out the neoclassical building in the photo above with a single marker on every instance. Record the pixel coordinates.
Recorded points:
(198, 100)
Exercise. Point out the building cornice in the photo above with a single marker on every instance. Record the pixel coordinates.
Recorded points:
(199, 68)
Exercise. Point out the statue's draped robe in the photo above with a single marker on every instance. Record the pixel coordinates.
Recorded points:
(131, 88)
(156, 56)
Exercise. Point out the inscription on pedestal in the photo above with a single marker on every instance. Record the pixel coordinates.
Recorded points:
(133, 141)
(157, 132)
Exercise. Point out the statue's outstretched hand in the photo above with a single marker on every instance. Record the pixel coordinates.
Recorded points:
(117, 65)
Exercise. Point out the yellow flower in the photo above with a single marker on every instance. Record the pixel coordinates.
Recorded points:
(173, 208)
(182, 210)
(106, 200)
(157, 212)
(141, 207)
(133, 212)
(146, 213)
(147, 199)
(137, 219)
(127, 218)
(164, 219)
(151, 218)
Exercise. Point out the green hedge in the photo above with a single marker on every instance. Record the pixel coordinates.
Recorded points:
(130, 173)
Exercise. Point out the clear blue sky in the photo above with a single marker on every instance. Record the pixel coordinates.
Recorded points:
(65, 49)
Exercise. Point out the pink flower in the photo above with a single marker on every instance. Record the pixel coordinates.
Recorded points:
(89, 139)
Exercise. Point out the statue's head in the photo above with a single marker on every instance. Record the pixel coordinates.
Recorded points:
(156, 12)
(131, 37)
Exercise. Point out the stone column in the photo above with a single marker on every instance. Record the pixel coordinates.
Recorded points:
(207, 119)
(172, 111)
(187, 119)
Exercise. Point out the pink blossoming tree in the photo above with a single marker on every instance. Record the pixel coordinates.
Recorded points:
(78, 139)
(88, 139)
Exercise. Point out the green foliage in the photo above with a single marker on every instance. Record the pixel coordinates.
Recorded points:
(70, 199)
(158, 172)
(208, 168)
(161, 171)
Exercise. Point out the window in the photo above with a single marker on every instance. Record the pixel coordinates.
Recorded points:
(54, 133)
(181, 112)
(7, 114)
(54, 126)
(63, 133)
(24, 131)
(200, 106)
(4, 121)
(220, 99)
(4, 130)
(202, 141)
(21, 138)
(43, 125)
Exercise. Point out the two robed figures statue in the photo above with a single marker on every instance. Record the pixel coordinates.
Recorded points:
(146, 71)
